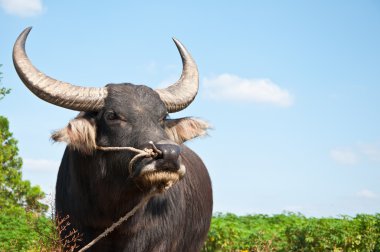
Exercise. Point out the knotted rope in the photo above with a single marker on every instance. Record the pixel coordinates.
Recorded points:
(146, 152)
(154, 152)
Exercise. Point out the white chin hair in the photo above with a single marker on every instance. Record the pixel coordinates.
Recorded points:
(160, 179)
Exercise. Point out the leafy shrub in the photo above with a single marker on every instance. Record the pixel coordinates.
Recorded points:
(25, 231)
(293, 232)
(21, 230)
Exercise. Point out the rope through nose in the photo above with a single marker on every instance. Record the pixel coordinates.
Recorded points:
(146, 152)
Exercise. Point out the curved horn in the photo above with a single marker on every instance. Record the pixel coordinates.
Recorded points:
(54, 91)
(180, 94)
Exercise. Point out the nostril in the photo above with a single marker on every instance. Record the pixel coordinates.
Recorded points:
(170, 152)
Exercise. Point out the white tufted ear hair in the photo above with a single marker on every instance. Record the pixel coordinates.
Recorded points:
(79, 134)
(183, 129)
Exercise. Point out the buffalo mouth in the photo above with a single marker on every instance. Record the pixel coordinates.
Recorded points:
(153, 175)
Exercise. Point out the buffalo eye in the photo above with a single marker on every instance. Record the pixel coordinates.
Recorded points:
(111, 115)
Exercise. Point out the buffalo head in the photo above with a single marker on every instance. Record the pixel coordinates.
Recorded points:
(120, 115)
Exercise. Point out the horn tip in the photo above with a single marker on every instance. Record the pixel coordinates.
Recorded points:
(27, 29)
(20, 42)
(177, 42)
(24, 34)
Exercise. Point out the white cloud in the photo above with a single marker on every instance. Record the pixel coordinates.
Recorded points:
(344, 156)
(351, 155)
(367, 194)
(40, 165)
(372, 151)
(22, 8)
(233, 88)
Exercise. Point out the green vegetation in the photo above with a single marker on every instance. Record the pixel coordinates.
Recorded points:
(21, 212)
(3, 90)
(21, 230)
(259, 233)
(14, 191)
(293, 232)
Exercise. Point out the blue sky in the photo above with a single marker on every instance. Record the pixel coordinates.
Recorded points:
(291, 88)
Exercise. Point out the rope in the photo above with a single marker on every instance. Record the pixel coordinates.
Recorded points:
(154, 152)
(121, 220)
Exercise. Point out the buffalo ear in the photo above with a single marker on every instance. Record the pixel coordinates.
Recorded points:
(183, 129)
(79, 134)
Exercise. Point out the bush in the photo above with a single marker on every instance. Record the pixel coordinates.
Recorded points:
(25, 231)
(293, 232)
(21, 230)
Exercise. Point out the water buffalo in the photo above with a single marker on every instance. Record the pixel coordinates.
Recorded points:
(95, 188)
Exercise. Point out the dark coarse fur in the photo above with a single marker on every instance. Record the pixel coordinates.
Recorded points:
(95, 189)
